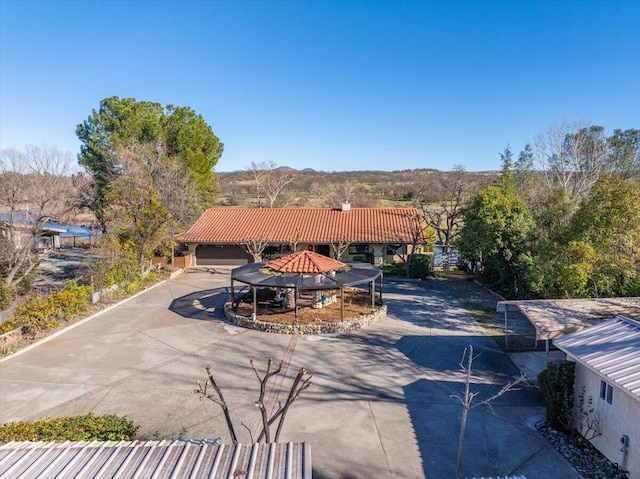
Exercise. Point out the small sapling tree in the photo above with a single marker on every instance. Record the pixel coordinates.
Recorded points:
(467, 398)
(301, 382)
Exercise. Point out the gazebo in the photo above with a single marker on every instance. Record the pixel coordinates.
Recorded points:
(306, 271)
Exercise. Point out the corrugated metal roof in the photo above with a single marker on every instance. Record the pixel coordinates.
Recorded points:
(154, 459)
(612, 348)
(310, 225)
(501, 477)
(554, 318)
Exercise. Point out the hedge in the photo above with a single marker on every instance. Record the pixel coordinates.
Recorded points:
(72, 428)
(556, 383)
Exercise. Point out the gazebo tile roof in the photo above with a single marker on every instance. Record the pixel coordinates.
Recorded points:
(304, 262)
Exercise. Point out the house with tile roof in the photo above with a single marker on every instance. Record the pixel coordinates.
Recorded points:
(373, 234)
(607, 357)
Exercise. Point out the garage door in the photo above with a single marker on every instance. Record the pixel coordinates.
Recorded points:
(207, 255)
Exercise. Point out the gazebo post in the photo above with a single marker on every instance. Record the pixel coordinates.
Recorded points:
(295, 300)
(255, 303)
(546, 350)
(372, 288)
(380, 287)
(341, 303)
(506, 330)
(232, 298)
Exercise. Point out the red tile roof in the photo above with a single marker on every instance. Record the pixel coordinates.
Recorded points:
(305, 262)
(306, 225)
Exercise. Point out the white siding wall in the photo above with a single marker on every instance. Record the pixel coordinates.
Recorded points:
(621, 417)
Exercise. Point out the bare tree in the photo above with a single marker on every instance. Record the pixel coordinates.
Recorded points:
(300, 384)
(412, 235)
(270, 180)
(255, 247)
(218, 398)
(13, 181)
(332, 194)
(294, 240)
(572, 156)
(467, 398)
(164, 174)
(35, 179)
(340, 247)
(444, 212)
(136, 202)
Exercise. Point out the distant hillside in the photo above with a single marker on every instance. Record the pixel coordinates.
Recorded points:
(313, 188)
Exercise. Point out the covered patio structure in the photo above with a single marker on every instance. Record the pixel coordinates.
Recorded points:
(306, 271)
(553, 318)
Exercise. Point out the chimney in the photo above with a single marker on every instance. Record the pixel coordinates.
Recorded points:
(346, 206)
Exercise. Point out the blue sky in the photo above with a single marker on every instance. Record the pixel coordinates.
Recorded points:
(330, 85)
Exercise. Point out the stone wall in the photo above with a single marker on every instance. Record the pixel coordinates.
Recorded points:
(305, 329)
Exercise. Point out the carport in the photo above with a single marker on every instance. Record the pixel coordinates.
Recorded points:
(553, 318)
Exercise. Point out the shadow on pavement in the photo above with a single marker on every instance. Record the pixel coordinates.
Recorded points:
(205, 305)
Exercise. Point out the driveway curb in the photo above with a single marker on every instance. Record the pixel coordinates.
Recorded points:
(82, 321)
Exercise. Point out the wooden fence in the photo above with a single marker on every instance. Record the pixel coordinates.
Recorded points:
(181, 261)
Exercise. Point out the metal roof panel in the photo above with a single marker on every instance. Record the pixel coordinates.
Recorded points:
(154, 459)
(612, 348)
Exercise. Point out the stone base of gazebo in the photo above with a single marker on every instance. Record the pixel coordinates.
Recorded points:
(305, 329)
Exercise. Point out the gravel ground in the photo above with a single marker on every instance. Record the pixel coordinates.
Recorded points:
(582, 455)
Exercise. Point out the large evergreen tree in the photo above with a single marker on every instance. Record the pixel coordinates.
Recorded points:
(498, 231)
(122, 124)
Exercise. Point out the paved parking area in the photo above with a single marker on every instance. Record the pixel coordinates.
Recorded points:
(380, 404)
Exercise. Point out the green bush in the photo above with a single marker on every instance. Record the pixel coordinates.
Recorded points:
(26, 283)
(557, 384)
(420, 266)
(394, 269)
(75, 428)
(5, 295)
(37, 313)
(73, 299)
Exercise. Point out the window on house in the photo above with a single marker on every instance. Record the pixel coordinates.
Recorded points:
(606, 392)
(358, 249)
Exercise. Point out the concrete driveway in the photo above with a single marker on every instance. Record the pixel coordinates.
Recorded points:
(380, 404)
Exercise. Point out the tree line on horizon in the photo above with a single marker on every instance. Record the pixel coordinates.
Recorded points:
(546, 225)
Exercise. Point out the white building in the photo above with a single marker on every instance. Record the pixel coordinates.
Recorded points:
(607, 358)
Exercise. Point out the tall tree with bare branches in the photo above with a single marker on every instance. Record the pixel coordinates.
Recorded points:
(442, 211)
(270, 181)
(572, 156)
(36, 187)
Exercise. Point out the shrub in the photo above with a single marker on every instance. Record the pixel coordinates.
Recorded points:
(557, 384)
(73, 299)
(26, 283)
(37, 313)
(5, 295)
(74, 428)
(395, 269)
(420, 266)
